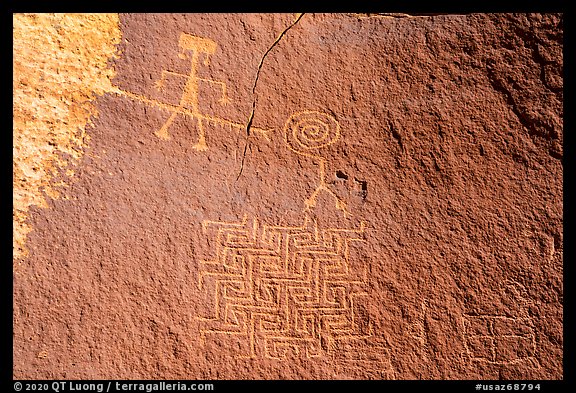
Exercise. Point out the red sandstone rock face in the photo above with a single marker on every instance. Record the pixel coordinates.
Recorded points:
(310, 197)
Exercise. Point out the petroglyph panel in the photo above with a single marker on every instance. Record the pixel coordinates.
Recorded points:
(289, 196)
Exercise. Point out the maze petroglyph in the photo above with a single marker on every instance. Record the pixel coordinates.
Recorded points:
(189, 101)
(290, 291)
(499, 339)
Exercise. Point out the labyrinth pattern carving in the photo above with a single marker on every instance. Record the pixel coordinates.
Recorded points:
(289, 290)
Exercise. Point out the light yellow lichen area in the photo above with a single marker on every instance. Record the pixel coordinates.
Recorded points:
(60, 65)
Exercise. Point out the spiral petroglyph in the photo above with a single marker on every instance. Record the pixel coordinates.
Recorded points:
(308, 131)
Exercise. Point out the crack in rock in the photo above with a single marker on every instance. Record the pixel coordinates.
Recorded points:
(251, 117)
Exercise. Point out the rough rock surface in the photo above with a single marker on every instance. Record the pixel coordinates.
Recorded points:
(59, 66)
(317, 196)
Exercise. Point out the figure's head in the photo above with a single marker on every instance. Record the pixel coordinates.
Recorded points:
(306, 132)
(196, 44)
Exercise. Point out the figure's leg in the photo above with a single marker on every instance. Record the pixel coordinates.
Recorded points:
(340, 204)
(311, 201)
(163, 132)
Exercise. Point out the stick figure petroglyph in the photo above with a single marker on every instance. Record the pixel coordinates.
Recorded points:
(197, 46)
(191, 47)
(305, 133)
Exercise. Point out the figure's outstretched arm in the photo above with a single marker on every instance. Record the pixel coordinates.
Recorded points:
(160, 82)
(224, 97)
